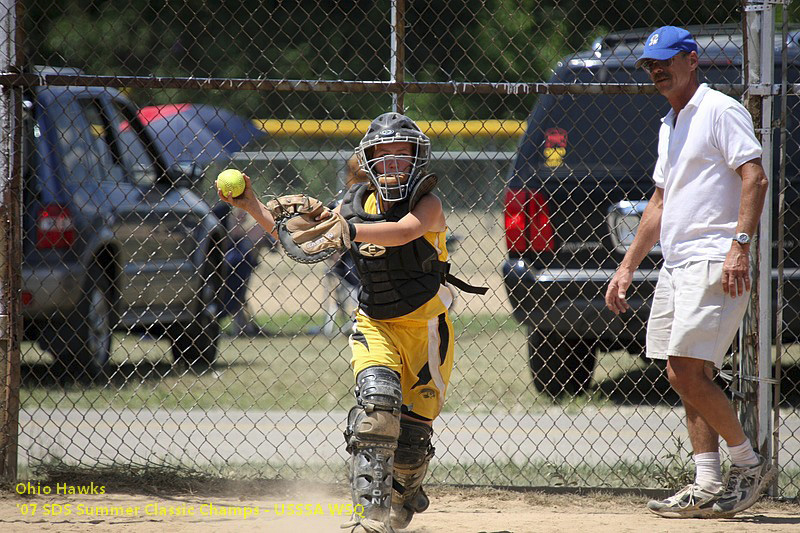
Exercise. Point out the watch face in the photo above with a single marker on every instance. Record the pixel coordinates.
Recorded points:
(742, 238)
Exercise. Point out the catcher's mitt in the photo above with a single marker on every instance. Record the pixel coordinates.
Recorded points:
(293, 204)
(312, 233)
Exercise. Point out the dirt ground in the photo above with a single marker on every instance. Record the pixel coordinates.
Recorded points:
(452, 509)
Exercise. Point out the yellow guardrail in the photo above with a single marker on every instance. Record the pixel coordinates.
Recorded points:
(432, 128)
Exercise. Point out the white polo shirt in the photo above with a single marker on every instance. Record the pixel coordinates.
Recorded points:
(697, 160)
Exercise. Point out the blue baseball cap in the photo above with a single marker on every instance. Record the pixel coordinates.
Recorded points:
(666, 42)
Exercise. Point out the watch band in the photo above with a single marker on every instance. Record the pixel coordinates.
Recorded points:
(742, 238)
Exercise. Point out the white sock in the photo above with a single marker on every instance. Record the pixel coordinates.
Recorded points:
(708, 473)
(743, 454)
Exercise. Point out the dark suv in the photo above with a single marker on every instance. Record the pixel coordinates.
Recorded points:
(112, 238)
(579, 183)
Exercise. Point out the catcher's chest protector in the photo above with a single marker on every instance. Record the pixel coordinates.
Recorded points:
(395, 280)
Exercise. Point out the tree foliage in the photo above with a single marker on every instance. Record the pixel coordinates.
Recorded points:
(446, 41)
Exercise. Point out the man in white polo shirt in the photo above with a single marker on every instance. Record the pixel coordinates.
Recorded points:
(710, 189)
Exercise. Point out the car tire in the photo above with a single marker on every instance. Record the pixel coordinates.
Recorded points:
(560, 366)
(196, 343)
(81, 343)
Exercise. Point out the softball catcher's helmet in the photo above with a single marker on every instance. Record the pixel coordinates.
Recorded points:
(392, 128)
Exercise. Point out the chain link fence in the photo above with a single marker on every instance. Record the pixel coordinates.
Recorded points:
(162, 329)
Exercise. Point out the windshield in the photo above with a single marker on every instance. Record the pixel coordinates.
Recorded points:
(80, 134)
(569, 132)
(616, 133)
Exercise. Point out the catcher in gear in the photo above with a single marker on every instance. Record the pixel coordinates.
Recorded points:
(402, 347)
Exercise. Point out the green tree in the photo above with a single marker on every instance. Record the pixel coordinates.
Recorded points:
(447, 41)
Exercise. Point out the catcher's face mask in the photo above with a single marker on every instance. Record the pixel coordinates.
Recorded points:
(394, 154)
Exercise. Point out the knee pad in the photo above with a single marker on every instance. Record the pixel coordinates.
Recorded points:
(371, 429)
(378, 387)
(376, 418)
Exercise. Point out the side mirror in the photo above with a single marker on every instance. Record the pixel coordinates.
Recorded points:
(184, 173)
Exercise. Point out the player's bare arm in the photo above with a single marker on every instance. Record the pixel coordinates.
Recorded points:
(646, 237)
(426, 216)
(249, 202)
(264, 218)
(736, 269)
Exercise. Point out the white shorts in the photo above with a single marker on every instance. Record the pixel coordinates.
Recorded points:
(691, 316)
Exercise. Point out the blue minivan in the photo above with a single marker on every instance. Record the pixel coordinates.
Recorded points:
(112, 236)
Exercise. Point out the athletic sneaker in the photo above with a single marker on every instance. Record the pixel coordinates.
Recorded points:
(744, 486)
(692, 501)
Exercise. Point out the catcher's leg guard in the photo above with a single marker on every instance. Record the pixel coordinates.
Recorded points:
(373, 427)
(414, 451)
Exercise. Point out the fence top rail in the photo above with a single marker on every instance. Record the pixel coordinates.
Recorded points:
(344, 155)
(339, 86)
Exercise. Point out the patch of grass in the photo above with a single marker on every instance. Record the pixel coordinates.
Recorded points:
(489, 372)
(295, 370)
(258, 373)
(675, 471)
(276, 372)
(291, 369)
(471, 325)
(290, 324)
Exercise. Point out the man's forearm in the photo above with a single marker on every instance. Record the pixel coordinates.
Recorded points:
(646, 237)
(754, 191)
(647, 234)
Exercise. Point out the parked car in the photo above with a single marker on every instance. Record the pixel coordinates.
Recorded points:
(112, 237)
(580, 181)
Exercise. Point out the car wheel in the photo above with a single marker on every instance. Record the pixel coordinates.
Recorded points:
(196, 343)
(82, 342)
(560, 366)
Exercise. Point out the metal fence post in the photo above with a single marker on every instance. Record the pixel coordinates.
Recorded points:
(397, 60)
(756, 359)
(780, 252)
(10, 239)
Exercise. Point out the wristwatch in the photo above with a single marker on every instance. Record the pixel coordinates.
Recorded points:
(742, 238)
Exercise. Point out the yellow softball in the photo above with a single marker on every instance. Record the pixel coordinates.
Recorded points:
(231, 181)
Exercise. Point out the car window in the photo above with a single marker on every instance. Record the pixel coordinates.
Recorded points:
(132, 149)
(80, 137)
(589, 131)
